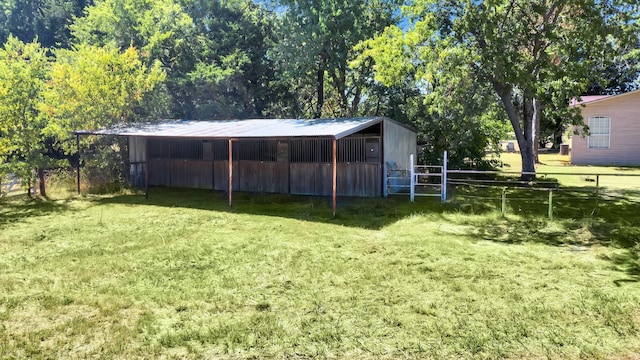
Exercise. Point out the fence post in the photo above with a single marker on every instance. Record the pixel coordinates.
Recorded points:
(597, 191)
(504, 201)
(444, 178)
(412, 179)
(550, 204)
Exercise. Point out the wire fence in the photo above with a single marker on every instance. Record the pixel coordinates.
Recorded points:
(568, 194)
(564, 193)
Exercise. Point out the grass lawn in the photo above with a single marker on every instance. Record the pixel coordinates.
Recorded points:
(558, 164)
(574, 191)
(181, 276)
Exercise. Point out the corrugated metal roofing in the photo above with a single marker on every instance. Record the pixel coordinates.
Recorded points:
(254, 128)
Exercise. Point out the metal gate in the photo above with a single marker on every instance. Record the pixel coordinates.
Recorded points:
(419, 180)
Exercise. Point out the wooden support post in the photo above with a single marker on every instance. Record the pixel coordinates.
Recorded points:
(78, 168)
(334, 188)
(550, 204)
(597, 191)
(230, 172)
(146, 168)
(504, 201)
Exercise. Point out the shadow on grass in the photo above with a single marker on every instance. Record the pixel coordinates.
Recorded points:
(528, 230)
(627, 262)
(568, 203)
(20, 207)
(573, 208)
(579, 221)
(368, 213)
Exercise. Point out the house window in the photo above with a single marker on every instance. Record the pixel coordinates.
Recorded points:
(599, 132)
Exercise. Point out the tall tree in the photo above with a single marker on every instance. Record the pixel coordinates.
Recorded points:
(93, 87)
(24, 70)
(233, 76)
(42, 102)
(527, 52)
(46, 20)
(213, 52)
(317, 45)
(161, 30)
(450, 110)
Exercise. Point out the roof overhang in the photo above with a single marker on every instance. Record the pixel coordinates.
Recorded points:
(588, 100)
(245, 129)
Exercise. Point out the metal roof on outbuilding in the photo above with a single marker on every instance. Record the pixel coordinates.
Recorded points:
(254, 128)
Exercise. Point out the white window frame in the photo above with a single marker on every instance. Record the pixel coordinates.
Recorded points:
(599, 136)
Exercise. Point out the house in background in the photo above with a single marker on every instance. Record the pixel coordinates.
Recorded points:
(614, 130)
(322, 157)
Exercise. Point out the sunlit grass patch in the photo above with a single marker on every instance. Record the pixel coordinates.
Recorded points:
(182, 276)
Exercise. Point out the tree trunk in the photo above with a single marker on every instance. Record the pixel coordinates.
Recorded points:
(320, 90)
(528, 153)
(535, 123)
(528, 156)
(41, 183)
(339, 82)
(558, 131)
(522, 128)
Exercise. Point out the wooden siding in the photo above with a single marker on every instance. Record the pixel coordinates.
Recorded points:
(310, 179)
(137, 156)
(181, 173)
(624, 149)
(256, 176)
(359, 180)
(221, 175)
(355, 179)
(198, 164)
(192, 174)
(159, 174)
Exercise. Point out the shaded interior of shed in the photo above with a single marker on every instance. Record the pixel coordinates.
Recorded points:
(292, 165)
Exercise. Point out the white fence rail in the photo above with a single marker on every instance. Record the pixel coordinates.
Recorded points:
(420, 180)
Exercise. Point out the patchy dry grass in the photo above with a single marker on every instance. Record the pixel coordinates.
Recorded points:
(181, 276)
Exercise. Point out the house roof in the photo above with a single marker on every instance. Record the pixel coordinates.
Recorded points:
(587, 99)
(253, 128)
(598, 98)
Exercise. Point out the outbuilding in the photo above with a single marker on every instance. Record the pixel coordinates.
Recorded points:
(323, 157)
(614, 129)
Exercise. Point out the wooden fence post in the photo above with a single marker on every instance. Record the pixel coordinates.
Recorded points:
(550, 204)
(504, 201)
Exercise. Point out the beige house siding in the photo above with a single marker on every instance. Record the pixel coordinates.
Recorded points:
(624, 148)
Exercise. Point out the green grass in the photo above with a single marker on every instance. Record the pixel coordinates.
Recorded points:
(558, 164)
(574, 194)
(181, 276)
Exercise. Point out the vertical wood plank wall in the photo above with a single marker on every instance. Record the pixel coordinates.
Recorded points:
(137, 156)
(281, 176)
